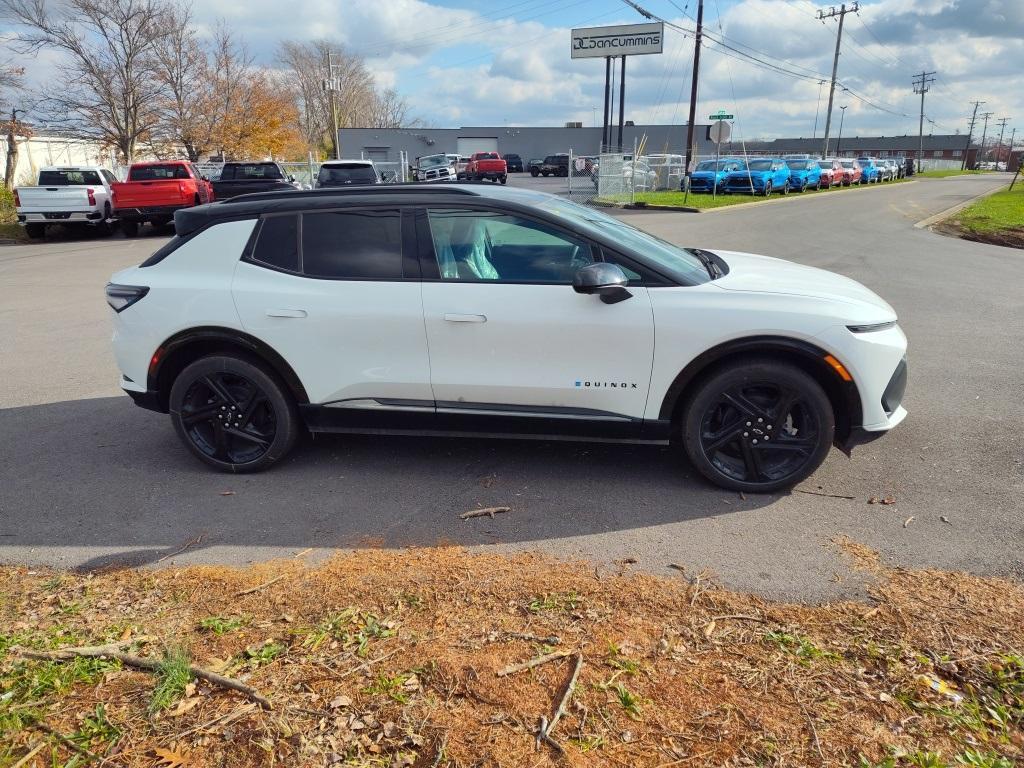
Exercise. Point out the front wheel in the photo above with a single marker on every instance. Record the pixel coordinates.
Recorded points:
(785, 188)
(758, 425)
(232, 414)
(768, 189)
(534, 172)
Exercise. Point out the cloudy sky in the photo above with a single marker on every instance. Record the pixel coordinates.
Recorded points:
(460, 62)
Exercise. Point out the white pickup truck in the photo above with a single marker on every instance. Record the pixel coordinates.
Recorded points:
(77, 195)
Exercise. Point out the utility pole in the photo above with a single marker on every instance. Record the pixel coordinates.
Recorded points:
(693, 89)
(841, 13)
(1009, 156)
(921, 86)
(985, 116)
(970, 135)
(1002, 129)
(330, 85)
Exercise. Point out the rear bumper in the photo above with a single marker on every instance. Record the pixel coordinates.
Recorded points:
(148, 212)
(61, 217)
(148, 399)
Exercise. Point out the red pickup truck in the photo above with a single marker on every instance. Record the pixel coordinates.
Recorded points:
(154, 191)
(487, 165)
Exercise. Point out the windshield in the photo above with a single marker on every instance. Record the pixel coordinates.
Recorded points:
(709, 165)
(847, 163)
(665, 257)
(347, 174)
(157, 172)
(432, 161)
(68, 178)
(826, 165)
(760, 165)
(863, 161)
(797, 165)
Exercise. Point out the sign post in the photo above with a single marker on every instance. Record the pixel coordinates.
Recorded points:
(719, 132)
(616, 41)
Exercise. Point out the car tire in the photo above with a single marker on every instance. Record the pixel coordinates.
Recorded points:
(785, 188)
(35, 231)
(503, 179)
(768, 189)
(534, 172)
(130, 228)
(104, 228)
(206, 394)
(720, 426)
(817, 187)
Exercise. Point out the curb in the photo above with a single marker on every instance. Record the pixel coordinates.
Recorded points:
(779, 199)
(935, 219)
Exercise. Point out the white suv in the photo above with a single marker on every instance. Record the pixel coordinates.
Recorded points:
(497, 311)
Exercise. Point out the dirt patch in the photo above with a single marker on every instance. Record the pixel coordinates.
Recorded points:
(384, 658)
(1010, 238)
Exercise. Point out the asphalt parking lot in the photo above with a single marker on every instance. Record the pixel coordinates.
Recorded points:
(90, 480)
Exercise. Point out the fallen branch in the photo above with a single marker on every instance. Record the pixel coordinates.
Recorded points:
(566, 695)
(150, 665)
(40, 726)
(740, 616)
(261, 586)
(536, 662)
(485, 512)
(549, 640)
(191, 543)
(33, 751)
(828, 495)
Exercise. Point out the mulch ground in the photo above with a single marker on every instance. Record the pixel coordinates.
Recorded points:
(396, 658)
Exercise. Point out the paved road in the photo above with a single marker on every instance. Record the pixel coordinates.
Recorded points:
(90, 480)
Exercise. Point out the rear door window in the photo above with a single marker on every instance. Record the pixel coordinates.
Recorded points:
(353, 245)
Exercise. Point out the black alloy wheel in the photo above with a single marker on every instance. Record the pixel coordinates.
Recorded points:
(759, 426)
(232, 414)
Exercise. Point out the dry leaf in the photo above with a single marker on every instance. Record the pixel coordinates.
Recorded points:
(709, 629)
(183, 706)
(170, 758)
(340, 701)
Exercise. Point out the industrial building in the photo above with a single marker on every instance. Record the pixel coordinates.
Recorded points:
(386, 144)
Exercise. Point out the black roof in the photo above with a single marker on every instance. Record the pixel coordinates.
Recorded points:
(189, 220)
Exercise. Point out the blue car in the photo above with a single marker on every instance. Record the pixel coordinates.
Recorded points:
(710, 174)
(762, 176)
(804, 173)
(870, 172)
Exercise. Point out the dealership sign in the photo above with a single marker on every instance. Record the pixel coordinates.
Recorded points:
(624, 40)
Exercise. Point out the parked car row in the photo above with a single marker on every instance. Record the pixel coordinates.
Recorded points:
(792, 173)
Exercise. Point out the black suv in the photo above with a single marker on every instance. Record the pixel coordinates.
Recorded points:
(514, 163)
(553, 165)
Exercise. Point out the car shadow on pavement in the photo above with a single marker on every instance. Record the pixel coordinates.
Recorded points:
(109, 484)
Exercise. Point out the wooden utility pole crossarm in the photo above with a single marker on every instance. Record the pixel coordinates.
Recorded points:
(822, 15)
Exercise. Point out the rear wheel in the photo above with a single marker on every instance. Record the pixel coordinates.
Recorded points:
(232, 414)
(130, 228)
(758, 425)
(504, 179)
(103, 228)
(35, 231)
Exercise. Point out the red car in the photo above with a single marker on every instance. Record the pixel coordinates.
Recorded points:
(851, 172)
(154, 191)
(487, 165)
(832, 173)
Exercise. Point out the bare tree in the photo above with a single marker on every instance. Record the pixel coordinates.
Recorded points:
(107, 88)
(187, 102)
(357, 100)
(10, 83)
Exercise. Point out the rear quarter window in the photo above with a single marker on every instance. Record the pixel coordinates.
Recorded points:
(277, 244)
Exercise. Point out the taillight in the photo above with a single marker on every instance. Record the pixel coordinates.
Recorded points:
(92, 196)
(120, 297)
(182, 188)
(17, 201)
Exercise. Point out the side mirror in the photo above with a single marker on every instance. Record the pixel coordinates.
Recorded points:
(606, 280)
(291, 178)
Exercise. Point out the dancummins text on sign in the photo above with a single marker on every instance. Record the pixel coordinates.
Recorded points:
(623, 40)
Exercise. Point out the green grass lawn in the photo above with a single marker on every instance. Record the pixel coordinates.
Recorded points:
(704, 201)
(996, 213)
(950, 172)
(9, 230)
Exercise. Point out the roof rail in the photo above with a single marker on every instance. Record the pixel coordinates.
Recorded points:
(368, 189)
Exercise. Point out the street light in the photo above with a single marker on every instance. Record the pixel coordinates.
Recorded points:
(839, 141)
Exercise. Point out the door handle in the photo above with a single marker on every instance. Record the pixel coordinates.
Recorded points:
(454, 317)
(286, 313)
